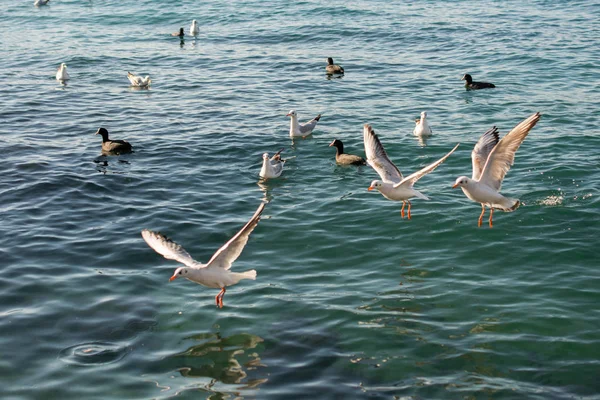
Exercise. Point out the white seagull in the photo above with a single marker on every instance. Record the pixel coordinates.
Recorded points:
(62, 74)
(194, 28)
(138, 81)
(38, 3)
(301, 130)
(393, 185)
(272, 167)
(491, 161)
(422, 127)
(215, 273)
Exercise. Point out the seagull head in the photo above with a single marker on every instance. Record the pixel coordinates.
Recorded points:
(265, 156)
(423, 114)
(63, 66)
(375, 185)
(461, 181)
(292, 113)
(467, 78)
(181, 271)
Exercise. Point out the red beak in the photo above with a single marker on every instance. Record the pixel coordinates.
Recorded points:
(288, 115)
(370, 188)
(172, 278)
(454, 186)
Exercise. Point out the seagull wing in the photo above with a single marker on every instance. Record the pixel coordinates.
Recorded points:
(168, 248)
(377, 157)
(310, 125)
(231, 250)
(413, 178)
(502, 156)
(482, 150)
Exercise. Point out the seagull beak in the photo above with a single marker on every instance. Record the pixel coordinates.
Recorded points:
(370, 188)
(288, 115)
(172, 278)
(455, 186)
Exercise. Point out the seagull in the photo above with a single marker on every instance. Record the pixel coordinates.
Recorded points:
(273, 167)
(343, 158)
(38, 3)
(422, 128)
(470, 85)
(62, 74)
(138, 81)
(492, 158)
(393, 185)
(215, 273)
(301, 130)
(194, 28)
(332, 68)
(113, 146)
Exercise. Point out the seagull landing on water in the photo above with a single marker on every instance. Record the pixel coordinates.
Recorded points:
(422, 127)
(492, 158)
(393, 185)
(272, 167)
(301, 130)
(215, 273)
(138, 81)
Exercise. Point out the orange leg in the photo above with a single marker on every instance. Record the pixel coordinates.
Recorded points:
(481, 216)
(491, 215)
(219, 298)
(402, 211)
(408, 201)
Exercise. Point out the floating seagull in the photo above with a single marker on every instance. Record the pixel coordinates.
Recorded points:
(470, 85)
(301, 130)
(138, 81)
(343, 158)
(273, 167)
(194, 28)
(113, 146)
(181, 34)
(38, 3)
(492, 158)
(215, 273)
(393, 185)
(62, 74)
(332, 68)
(422, 127)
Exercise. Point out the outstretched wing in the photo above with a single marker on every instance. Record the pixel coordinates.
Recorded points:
(502, 156)
(378, 158)
(482, 150)
(231, 250)
(412, 178)
(168, 248)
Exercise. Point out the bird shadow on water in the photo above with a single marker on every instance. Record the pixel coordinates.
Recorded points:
(109, 165)
(214, 363)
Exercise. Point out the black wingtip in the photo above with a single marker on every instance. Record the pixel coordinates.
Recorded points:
(318, 117)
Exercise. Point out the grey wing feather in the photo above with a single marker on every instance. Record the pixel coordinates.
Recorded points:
(231, 250)
(310, 125)
(168, 248)
(502, 156)
(412, 178)
(378, 158)
(482, 150)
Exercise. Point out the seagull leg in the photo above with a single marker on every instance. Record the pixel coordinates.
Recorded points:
(491, 215)
(402, 211)
(408, 201)
(481, 216)
(219, 297)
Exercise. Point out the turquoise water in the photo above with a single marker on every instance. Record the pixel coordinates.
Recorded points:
(351, 301)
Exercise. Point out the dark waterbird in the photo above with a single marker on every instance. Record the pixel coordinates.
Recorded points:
(343, 158)
(332, 68)
(470, 85)
(113, 146)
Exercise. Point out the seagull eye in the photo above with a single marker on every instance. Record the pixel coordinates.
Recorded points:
(179, 272)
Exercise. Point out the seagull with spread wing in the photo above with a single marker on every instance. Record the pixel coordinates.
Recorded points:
(492, 158)
(215, 273)
(393, 185)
